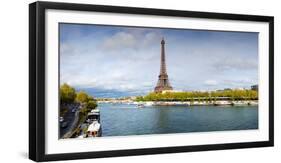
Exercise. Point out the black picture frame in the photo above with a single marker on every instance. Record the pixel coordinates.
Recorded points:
(37, 80)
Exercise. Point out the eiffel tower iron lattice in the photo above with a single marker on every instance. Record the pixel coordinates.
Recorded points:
(163, 80)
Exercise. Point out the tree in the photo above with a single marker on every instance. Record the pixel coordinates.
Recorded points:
(82, 97)
(91, 98)
(67, 93)
(91, 104)
(201, 96)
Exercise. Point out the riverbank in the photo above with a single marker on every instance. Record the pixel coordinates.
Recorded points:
(182, 103)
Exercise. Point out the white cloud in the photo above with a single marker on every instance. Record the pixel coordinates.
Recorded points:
(120, 40)
(234, 63)
(211, 82)
(129, 60)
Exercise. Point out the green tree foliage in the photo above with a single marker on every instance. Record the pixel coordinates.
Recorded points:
(82, 97)
(92, 104)
(200, 96)
(67, 93)
(88, 102)
(84, 111)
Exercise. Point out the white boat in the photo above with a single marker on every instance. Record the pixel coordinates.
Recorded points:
(148, 104)
(94, 129)
(140, 105)
(94, 115)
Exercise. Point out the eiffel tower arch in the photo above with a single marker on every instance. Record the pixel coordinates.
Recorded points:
(163, 83)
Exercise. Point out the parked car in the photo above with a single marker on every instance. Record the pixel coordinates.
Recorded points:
(64, 125)
(61, 119)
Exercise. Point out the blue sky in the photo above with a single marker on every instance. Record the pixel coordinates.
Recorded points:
(127, 59)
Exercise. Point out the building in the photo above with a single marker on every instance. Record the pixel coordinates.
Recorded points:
(163, 83)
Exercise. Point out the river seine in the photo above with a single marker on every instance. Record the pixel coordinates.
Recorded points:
(123, 119)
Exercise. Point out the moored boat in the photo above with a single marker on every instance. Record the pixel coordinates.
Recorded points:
(94, 129)
(140, 105)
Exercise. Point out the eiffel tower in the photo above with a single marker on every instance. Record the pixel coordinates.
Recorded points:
(163, 83)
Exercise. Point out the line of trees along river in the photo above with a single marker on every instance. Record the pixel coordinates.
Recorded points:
(69, 95)
(233, 95)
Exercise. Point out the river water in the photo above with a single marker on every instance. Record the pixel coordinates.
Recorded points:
(123, 119)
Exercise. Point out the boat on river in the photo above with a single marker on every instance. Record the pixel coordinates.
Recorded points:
(94, 115)
(94, 128)
(140, 105)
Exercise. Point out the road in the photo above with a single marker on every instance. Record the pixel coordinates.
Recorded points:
(69, 117)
